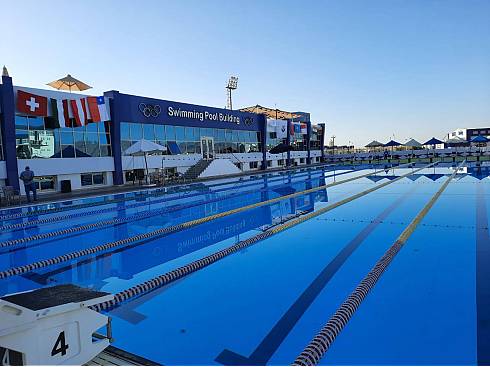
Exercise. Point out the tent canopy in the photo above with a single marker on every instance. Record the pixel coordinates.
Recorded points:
(392, 143)
(143, 147)
(479, 139)
(413, 143)
(433, 141)
(374, 144)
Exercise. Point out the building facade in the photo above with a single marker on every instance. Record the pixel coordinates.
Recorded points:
(89, 151)
(468, 133)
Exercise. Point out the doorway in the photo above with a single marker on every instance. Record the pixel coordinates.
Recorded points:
(207, 147)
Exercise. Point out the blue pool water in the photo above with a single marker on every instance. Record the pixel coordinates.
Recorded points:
(263, 304)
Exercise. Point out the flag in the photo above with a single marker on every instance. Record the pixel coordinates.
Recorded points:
(93, 108)
(304, 129)
(271, 125)
(66, 113)
(57, 118)
(32, 104)
(104, 114)
(281, 129)
(84, 110)
(76, 108)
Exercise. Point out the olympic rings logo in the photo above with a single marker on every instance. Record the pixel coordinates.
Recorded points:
(149, 109)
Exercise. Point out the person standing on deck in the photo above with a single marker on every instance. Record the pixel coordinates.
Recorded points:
(27, 176)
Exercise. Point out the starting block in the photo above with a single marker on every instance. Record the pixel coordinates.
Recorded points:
(52, 326)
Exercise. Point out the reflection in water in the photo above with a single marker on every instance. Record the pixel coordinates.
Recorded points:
(125, 263)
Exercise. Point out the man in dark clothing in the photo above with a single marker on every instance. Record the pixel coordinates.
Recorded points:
(27, 176)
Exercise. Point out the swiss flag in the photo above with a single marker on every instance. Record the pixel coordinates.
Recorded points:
(31, 104)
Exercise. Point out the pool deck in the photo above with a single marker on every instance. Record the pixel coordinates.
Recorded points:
(113, 356)
(130, 187)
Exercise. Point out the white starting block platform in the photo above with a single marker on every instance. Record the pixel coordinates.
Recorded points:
(52, 326)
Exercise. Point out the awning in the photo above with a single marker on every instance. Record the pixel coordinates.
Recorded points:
(272, 113)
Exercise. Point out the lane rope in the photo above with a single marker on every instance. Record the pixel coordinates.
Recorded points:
(319, 345)
(136, 205)
(135, 195)
(90, 226)
(178, 227)
(193, 266)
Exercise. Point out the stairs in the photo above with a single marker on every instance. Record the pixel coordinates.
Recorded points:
(194, 172)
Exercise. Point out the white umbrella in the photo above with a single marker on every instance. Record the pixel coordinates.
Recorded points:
(142, 148)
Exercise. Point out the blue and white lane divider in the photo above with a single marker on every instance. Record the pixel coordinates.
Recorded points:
(32, 223)
(319, 345)
(116, 221)
(175, 228)
(135, 196)
(173, 275)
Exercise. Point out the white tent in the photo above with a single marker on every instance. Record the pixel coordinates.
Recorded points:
(142, 148)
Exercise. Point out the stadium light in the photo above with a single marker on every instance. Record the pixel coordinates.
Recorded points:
(232, 85)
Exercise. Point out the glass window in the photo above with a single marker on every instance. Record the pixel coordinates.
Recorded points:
(44, 182)
(228, 136)
(36, 123)
(105, 138)
(79, 144)
(244, 136)
(21, 122)
(67, 135)
(92, 144)
(220, 135)
(91, 127)
(125, 131)
(160, 132)
(170, 133)
(86, 179)
(148, 132)
(179, 133)
(105, 151)
(98, 178)
(136, 132)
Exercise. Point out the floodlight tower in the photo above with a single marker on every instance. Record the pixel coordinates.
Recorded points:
(232, 85)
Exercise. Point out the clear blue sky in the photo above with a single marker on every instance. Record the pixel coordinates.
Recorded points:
(367, 68)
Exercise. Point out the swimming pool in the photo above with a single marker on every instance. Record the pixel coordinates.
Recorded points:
(273, 275)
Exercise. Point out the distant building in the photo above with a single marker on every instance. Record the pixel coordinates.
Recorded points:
(468, 133)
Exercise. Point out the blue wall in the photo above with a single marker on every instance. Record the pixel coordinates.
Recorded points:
(7, 102)
(127, 108)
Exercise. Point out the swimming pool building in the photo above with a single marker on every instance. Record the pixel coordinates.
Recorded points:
(82, 139)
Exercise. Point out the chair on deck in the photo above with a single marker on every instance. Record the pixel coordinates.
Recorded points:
(10, 195)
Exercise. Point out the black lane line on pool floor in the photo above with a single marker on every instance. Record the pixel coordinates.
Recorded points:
(319, 345)
(482, 278)
(269, 345)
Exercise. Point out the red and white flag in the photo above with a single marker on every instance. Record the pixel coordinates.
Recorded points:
(76, 109)
(98, 109)
(32, 104)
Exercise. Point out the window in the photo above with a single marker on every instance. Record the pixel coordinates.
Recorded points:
(34, 140)
(254, 165)
(90, 179)
(44, 183)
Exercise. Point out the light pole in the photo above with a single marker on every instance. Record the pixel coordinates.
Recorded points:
(232, 85)
(333, 145)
